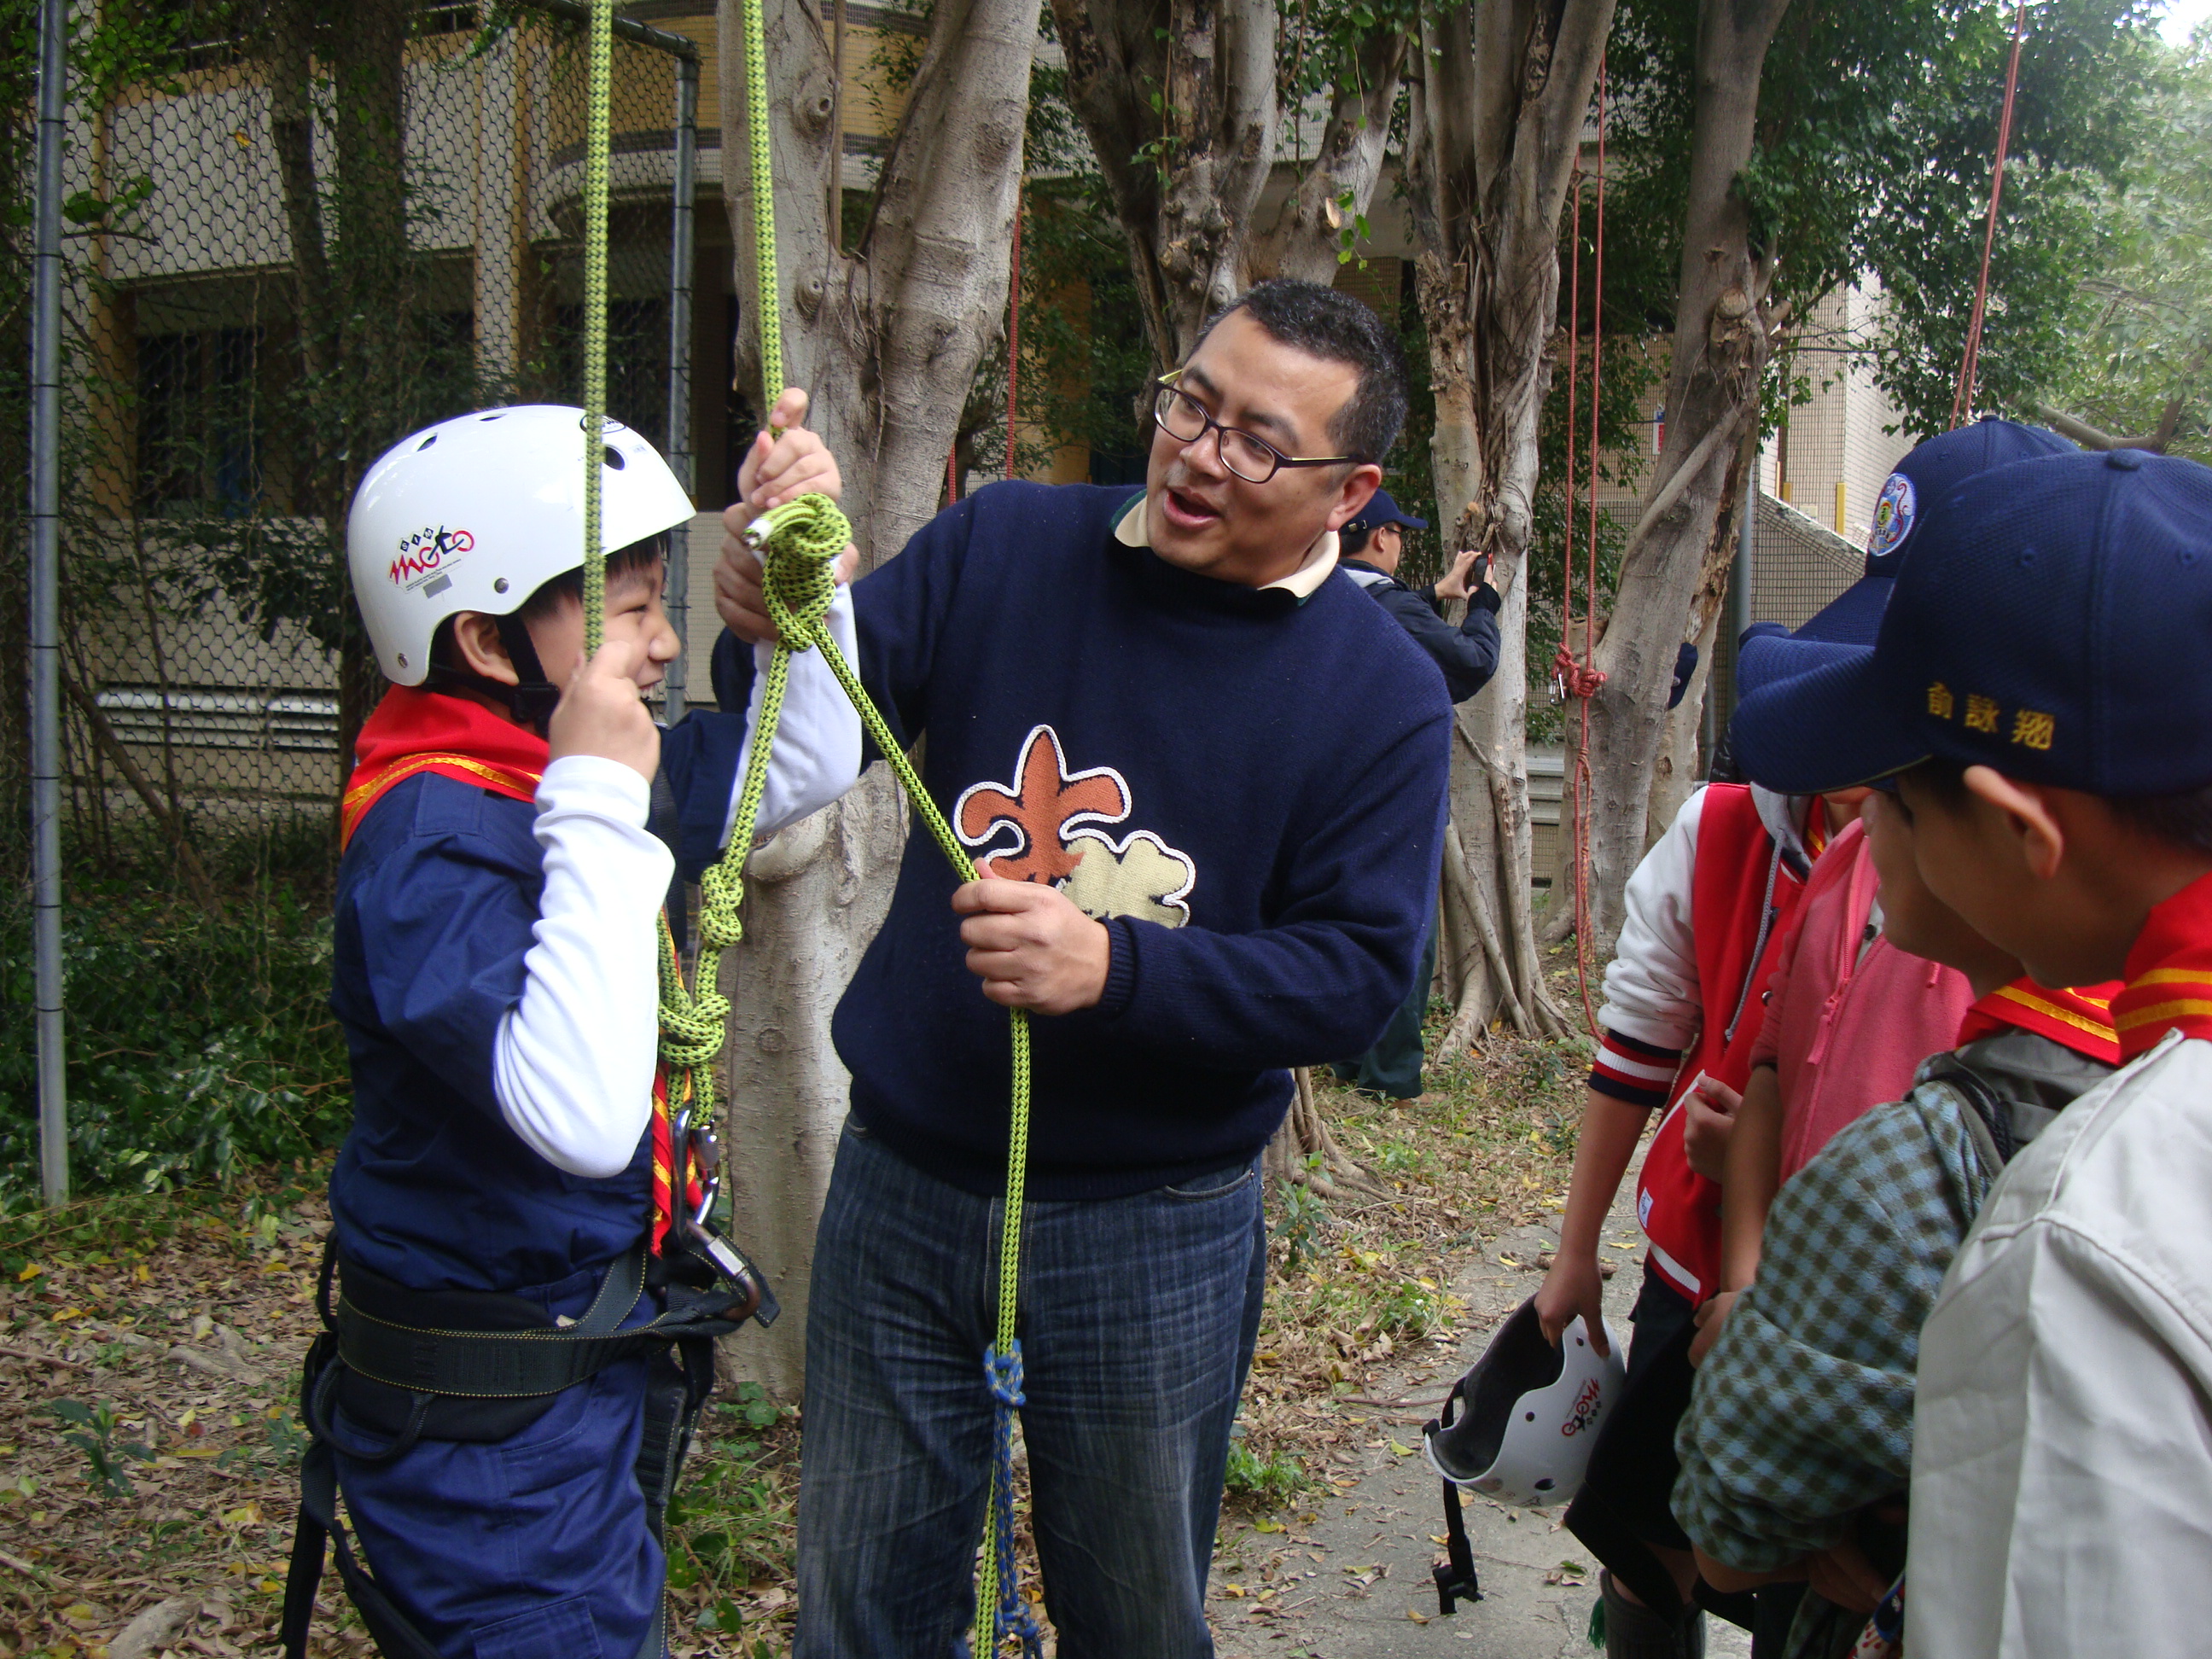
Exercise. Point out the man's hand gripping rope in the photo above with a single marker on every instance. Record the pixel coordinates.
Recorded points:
(798, 544)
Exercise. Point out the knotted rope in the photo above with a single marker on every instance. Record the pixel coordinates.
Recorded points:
(797, 543)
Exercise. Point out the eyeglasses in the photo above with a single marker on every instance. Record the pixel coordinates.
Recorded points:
(1183, 418)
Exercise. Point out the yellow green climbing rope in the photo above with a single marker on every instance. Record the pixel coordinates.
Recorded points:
(798, 544)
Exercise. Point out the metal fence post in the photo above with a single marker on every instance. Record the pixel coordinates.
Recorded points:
(46, 608)
(679, 367)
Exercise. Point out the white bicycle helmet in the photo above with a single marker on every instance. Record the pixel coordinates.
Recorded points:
(479, 512)
(1519, 1426)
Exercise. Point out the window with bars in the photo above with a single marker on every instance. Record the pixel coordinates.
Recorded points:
(199, 420)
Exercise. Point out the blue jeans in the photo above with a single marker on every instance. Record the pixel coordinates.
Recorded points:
(1138, 1320)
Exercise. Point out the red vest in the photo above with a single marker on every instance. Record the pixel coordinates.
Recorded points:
(1742, 896)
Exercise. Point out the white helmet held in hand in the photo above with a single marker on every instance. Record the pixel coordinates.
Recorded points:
(1519, 1426)
(479, 512)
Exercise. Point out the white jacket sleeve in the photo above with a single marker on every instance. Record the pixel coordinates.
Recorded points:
(573, 1065)
(816, 756)
(1652, 991)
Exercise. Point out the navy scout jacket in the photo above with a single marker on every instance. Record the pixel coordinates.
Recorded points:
(437, 895)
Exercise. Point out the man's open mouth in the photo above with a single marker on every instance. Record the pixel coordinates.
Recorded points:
(1185, 511)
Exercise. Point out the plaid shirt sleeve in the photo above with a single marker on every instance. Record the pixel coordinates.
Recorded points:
(1803, 1411)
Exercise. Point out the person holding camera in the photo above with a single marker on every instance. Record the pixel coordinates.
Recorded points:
(1371, 545)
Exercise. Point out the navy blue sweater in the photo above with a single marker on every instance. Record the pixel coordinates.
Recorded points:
(1250, 790)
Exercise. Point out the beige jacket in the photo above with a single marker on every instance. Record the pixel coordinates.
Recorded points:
(2061, 1464)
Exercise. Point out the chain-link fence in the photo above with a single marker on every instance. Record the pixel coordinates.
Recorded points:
(289, 247)
(294, 232)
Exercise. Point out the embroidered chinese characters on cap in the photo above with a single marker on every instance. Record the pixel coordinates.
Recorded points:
(2030, 728)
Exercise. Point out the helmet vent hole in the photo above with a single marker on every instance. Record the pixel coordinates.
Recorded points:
(426, 443)
(1579, 1343)
(494, 415)
(614, 458)
(1544, 1485)
(1529, 1417)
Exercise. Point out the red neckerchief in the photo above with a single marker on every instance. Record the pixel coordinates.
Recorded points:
(2169, 973)
(2080, 1018)
(1816, 829)
(416, 731)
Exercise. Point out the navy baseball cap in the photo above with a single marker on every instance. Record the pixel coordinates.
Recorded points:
(2054, 622)
(1380, 510)
(1768, 652)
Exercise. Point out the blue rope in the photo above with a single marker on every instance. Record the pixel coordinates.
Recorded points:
(1012, 1616)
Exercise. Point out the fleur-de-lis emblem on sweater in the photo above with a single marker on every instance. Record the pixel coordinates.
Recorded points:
(1039, 829)
(1040, 809)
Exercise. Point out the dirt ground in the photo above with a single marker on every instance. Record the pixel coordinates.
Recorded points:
(1346, 1576)
(150, 1347)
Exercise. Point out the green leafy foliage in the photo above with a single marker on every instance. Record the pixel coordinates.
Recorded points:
(197, 1044)
(1304, 1219)
(1876, 133)
(1262, 1482)
(94, 1430)
(2144, 369)
(729, 1522)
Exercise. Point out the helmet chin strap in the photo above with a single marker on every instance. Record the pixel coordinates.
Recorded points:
(533, 696)
(531, 700)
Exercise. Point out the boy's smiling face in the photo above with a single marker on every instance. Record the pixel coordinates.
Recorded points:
(635, 612)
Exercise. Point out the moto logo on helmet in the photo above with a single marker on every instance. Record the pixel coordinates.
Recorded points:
(424, 554)
(1588, 1407)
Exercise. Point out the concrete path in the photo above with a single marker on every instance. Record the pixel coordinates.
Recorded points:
(1353, 1581)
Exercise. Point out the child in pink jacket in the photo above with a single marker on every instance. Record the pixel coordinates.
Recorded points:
(1848, 1019)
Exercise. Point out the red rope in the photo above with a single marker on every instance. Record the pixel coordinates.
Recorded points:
(1563, 660)
(1962, 400)
(1013, 329)
(1581, 680)
(952, 474)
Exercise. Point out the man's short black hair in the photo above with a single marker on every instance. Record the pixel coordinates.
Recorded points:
(2182, 820)
(1338, 329)
(1352, 541)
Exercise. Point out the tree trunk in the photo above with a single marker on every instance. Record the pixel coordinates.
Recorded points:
(352, 269)
(1722, 337)
(1496, 130)
(1303, 1153)
(1186, 174)
(887, 338)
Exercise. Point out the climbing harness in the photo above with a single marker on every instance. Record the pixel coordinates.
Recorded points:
(797, 543)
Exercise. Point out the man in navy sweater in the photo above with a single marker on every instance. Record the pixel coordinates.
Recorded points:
(1165, 728)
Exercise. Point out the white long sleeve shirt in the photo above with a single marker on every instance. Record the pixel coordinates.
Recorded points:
(2061, 1462)
(573, 1064)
